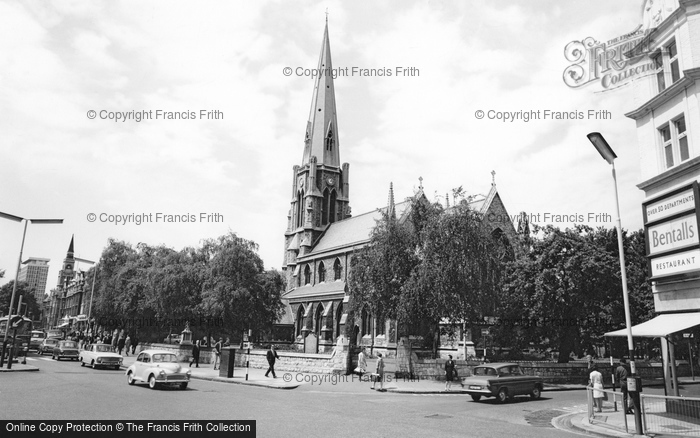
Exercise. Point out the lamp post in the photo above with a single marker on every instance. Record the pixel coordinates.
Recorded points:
(19, 264)
(634, 383)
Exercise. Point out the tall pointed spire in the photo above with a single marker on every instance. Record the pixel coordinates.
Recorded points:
(70, 247)
(322, 128)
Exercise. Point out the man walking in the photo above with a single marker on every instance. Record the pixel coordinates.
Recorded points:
(271, 358)
(195, 353)
(621, 378)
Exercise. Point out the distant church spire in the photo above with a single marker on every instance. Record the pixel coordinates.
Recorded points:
(321, 138)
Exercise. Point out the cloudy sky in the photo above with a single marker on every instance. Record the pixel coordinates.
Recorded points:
(59, 60)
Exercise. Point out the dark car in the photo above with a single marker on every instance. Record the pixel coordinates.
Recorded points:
(47, 345)
(68, 349)
(503, 381)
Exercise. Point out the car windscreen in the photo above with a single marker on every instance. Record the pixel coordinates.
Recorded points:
(70, 345)
(103, 348)
(163, 357)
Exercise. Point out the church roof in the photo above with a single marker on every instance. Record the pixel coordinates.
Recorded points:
(351, 232)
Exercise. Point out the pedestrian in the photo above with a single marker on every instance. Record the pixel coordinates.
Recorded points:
(271, 358)
(621, 378)
(120, 345)
(379, 373)
(217, 352)
(127, 344)
(227, 343)
(204, 342)
(361, 363)
(195, 354)
(449, 372)
(596, 382)
(134, 343)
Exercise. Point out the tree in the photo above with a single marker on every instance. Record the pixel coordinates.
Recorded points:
(567, 291)
(29, 305)
(435, 265)
(236, 289)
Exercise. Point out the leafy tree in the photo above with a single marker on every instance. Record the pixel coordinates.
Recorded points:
(566, 292)
(29, 305)
(236, 288)
(436, 264)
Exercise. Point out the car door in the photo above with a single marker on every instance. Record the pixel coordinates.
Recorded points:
(142, 363)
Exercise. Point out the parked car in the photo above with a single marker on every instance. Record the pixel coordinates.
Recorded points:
(47, 345)
(36, 339)
(67, 349)
(172, 338)
(503, 381)
(100, 355)
(158, 367)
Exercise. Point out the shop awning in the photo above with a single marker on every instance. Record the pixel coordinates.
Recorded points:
(662, 325)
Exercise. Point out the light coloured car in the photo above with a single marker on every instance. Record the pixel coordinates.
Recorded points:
(158, 367)
(100, 355)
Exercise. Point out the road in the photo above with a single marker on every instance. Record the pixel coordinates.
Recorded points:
(65, 390)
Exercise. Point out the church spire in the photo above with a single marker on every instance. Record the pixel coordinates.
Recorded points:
(70, 247)
(321, 138)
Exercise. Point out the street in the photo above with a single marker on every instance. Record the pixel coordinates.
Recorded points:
(65, 390)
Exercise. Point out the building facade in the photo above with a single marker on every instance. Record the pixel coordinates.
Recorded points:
(322, 236)
(67, 304)
(667, 116)
(35, 271)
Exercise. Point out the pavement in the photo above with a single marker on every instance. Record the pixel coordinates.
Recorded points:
(609, 423)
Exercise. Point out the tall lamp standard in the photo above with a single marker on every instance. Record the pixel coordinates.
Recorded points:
(608, 155)
(19, 264)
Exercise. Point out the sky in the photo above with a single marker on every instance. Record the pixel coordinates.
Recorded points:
(61, 60)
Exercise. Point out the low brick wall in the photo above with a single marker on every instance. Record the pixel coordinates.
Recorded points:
(551, 372)
(295, 362)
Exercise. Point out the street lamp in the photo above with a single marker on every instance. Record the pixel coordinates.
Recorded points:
(19, 264)
(608, 155)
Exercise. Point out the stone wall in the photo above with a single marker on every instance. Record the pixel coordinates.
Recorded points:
(334, 363)
(551, 372)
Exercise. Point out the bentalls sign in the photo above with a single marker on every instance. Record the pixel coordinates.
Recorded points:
(672, 239)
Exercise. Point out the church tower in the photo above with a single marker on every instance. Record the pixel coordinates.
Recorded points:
(67, 272)
(320, 187)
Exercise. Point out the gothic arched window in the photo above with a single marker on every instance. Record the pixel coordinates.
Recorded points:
(337, 270)
(321, 272)
(307, 275)
(300, 209)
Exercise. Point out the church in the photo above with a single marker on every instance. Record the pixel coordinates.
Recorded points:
(322, 236)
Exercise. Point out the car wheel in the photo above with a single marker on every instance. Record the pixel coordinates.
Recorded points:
(152, 382)
(536, 393)
(476, 397)
(130, 378)
(82, 364)
(183, 385)
(502, 396)
(116, 367)
(94, 365)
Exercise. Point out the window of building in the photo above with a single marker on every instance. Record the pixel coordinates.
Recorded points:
(667, 66)
(660, 80)
(674, 142)
(321, 272)
(337, 270)
(682, 138)
(673, 62)
(307, 275)
(300, 209)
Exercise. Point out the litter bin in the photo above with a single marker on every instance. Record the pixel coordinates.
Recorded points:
(228, 357)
